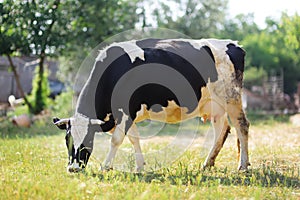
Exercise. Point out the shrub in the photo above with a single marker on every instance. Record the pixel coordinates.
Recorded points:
(254, 76)
(62, 105)
(39, 98)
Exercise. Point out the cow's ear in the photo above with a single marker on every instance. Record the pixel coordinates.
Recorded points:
(61, 123)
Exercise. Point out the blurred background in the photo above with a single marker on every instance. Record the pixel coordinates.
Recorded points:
(43, 43)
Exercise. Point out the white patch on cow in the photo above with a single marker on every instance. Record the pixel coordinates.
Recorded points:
(129, 47)
(97, 121)
(220, 127)
(102, 54)
(74, 167)
(116, 141)
(217, 46)
(132, 50)
(79, 128)
(123, 121)
(134, 138)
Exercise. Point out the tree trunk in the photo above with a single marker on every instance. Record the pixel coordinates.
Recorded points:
(19, 86)
(39, 100)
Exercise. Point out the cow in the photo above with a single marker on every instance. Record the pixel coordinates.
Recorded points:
(167, 80)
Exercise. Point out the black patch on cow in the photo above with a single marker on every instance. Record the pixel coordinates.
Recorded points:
(244, 123)
(197, 66)
(70, 147)
(150, 95)
(83, 153)
(60, 126)
(147, 43)
(208, 50)
(237, 57)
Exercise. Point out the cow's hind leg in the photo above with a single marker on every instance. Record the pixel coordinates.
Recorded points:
(241, 124)
(221, 131)
(133, 136)
(116, 141)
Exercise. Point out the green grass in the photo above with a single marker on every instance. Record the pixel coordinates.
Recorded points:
(33, 166)
(258, 118)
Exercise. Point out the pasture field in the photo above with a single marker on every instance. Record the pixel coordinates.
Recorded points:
(33, 166)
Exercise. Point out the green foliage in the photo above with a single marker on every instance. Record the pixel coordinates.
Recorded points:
(62, 105)
(39, 97)
(254, 76)
(270, 50)
(261, 51)
(260, 118)
(12, 37)
(291, 27)
(38, 27)
(197, 19)
(45, 23)
(91, 23)
(239, 27)
(273, 49)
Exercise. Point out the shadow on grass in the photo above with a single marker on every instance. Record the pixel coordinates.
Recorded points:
(263, 177)
(39, 128)
(195, 125)
(256, 118)
(45, 126)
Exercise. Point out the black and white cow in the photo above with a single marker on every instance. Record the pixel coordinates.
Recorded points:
(165, 80)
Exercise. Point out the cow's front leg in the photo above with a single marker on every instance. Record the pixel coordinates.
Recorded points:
(133, 136)
(116, 141)
(241, 124)
(221, 130)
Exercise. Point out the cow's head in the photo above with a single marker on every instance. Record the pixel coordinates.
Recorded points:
(77, 159)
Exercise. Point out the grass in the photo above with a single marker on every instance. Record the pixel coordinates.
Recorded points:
(33, 166)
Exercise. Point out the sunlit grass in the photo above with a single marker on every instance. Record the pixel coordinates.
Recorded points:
(33, 166)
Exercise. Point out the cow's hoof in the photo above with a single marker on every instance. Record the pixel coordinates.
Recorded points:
(140, 169)
(73, 168)
(243, 168)
(207, 165)
(106, 168)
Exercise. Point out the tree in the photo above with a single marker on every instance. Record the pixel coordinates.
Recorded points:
(289, 31)
(239, 27)
(254, 76)
(195, 18)
(12, 40)
(61, 27)
(94, 21)
(271, 50)
(47, 33)
(91, 23)
(37, 27)
(290, 26)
